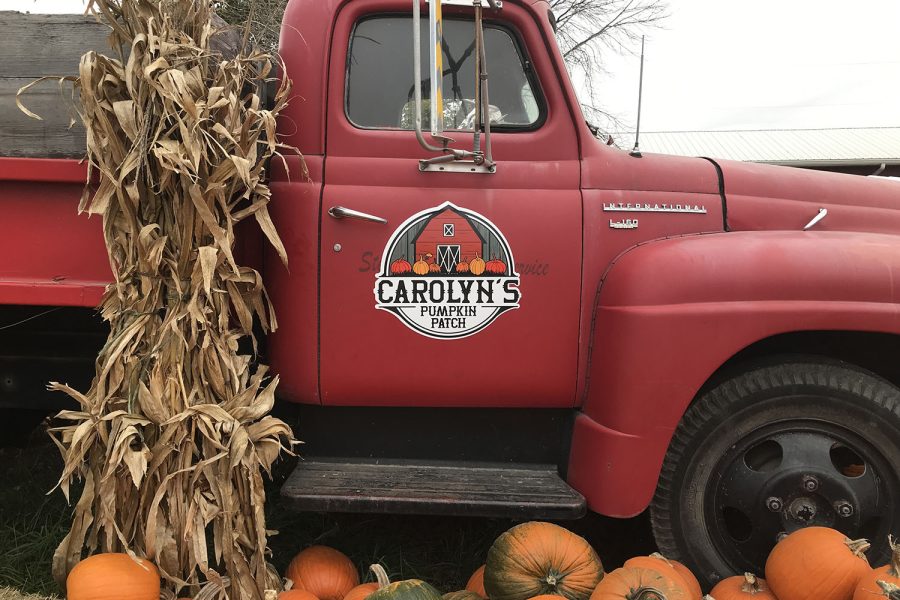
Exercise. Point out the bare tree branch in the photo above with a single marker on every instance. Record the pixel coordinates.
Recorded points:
(587, 30)
(264, 17)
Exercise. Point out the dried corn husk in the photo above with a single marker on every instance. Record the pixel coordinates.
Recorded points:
(174, 436)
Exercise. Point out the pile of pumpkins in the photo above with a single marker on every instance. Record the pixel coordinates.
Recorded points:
(542, 561)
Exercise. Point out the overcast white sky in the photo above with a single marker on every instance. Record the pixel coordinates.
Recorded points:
(765, 64)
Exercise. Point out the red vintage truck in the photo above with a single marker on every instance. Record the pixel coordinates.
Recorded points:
(538, 326)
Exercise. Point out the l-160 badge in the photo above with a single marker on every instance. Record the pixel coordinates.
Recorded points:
(447, 273)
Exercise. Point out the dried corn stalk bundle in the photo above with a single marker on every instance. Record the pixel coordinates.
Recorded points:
(174, 436)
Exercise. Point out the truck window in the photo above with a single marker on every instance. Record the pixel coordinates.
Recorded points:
(379, 91)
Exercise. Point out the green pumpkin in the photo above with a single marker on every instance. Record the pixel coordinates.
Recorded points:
(462, 595)
(409, 589)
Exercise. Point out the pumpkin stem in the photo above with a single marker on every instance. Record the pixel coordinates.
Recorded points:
(551, 580)
(659, 556)
(649, 593)
(894, 569)
(751, 584)
(380, 575)
(858, 547)
(890, 590)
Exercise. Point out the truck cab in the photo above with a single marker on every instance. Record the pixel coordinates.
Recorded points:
(488, 310)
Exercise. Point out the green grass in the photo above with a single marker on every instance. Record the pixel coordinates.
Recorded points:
(441, 550)
(31, 523)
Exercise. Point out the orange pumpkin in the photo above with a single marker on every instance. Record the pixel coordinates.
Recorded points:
(890, 573)
(324, 572)
(363, 590)
(434, 268)
(476, 265)
(667, 569)
(689, 578)
(495, 266)
(816, 563)
(546, 597)
(742, 587)
(538, 558)
(462, 267)
(639, 583)
(297, 595)
(113, 576)
(420, 267)
(476, 582)
(400, 267)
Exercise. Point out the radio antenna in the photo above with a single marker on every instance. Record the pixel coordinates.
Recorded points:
(636, 151)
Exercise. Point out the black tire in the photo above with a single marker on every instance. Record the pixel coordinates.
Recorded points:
(767, 431)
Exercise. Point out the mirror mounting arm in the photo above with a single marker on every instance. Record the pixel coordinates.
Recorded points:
(476, 161)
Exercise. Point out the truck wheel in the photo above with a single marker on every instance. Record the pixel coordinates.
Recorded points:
(775, 449)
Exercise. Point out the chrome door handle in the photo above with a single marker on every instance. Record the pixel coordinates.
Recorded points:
(339, 212)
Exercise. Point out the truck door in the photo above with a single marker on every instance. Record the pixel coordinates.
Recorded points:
(468, 293)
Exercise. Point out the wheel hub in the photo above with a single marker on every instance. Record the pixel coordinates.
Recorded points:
(784, 480)
(803, 511)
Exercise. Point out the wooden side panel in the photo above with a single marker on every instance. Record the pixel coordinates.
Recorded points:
(60, 133)
(33, 46)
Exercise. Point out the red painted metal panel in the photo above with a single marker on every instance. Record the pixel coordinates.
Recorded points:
(679, 308)
(526, 357)
(304, 44)
(51, 293)
(770, 197)
(293, 348)
(611, 177)
(51, 255)
(51, 170)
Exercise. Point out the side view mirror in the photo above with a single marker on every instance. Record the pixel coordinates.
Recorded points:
(451, 159)
(436, 64)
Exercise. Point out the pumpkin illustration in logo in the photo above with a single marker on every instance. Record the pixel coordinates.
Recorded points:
(400, 266)
(495, 266)
(476, 265)
(420, 267)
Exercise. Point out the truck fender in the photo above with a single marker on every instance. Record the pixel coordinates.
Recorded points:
(670, 312)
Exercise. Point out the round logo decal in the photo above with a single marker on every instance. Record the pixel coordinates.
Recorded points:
(447, 273)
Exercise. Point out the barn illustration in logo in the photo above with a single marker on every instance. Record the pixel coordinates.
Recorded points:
(447, 272)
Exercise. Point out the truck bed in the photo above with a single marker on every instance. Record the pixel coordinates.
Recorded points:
(34, 46)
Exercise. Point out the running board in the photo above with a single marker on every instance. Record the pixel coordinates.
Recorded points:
(432, 488)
